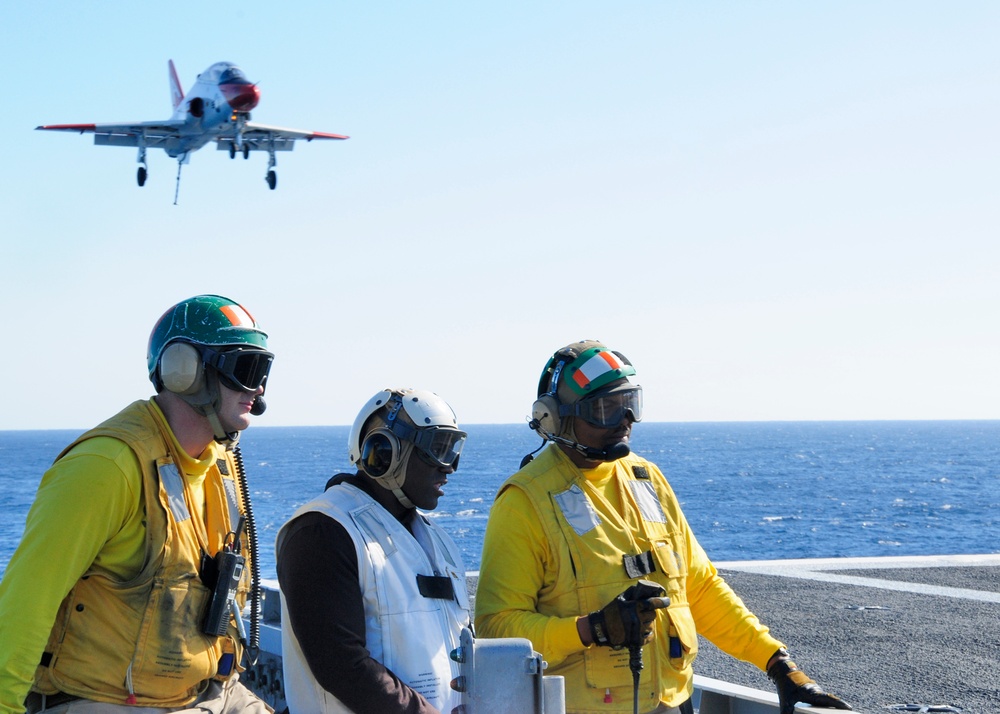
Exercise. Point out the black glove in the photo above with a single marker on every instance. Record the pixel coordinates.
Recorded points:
(627, 621)
(795, 686)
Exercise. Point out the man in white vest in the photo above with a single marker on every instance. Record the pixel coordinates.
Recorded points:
(373, 593)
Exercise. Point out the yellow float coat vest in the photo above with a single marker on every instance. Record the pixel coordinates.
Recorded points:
(589, 539)
(114, 640)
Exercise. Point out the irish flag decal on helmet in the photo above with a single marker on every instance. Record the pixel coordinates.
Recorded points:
(597, 369)
(237, 315)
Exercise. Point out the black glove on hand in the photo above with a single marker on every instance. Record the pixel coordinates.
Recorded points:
(794, 686)
(627, 621)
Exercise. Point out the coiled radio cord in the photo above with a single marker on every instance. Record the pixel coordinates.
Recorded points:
(253, 646)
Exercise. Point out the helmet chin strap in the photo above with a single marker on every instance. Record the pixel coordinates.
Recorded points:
(394, 481)
(206, 402)
(401, 497)
(228, 439)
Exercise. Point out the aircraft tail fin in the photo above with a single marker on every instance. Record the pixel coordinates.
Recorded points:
(176, 93)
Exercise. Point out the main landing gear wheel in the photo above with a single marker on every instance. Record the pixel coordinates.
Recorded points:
(272, 180)
(140, 176)
(232, 151)
(246, 151)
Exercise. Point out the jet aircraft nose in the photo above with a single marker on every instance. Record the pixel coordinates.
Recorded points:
(241, 97)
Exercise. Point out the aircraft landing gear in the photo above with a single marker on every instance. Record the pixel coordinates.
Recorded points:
(142, 173)
(271, 178)
(181, 158)
(245, 150)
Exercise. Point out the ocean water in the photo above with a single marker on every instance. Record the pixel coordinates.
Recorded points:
(751, 491)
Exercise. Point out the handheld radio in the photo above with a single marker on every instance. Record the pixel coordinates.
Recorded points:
(229, 563)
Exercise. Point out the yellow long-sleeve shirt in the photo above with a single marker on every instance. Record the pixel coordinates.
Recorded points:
(522, 567)
(88, 513)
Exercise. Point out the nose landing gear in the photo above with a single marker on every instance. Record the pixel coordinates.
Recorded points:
(233, 149)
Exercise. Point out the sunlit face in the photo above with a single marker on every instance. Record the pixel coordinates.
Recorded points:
(424, 483)
(235, 406)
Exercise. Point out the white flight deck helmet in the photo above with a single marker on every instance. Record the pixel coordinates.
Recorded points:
(395, 421)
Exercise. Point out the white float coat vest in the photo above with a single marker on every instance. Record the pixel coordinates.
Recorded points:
(414, 643)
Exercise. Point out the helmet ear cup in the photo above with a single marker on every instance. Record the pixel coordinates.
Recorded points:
(181, 370)
(380, 453)
(545, 412)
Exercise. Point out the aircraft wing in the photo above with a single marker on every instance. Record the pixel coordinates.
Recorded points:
(253, 130)
(155, 132)
(262, 137)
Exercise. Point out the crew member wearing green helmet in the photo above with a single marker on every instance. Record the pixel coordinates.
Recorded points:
(114, 598)
(582, 537)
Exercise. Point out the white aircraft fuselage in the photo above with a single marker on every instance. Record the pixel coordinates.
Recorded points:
(218, 101)
(216, 108)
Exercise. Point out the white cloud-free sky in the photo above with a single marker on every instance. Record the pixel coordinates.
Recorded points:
(776, 210)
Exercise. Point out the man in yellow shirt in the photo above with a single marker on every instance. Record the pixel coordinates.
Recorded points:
(582, 538)
(135, 557)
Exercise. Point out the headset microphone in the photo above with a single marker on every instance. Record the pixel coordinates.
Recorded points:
(612, 453)
(616, 451)
(259, 406)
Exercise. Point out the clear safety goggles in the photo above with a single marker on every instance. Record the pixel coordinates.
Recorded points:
(239, 368)
(607, 410)
(439, 447)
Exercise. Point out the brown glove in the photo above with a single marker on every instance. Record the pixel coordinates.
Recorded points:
(627, 621)
(794, 686)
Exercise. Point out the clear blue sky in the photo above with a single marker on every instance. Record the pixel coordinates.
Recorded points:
(776, 210)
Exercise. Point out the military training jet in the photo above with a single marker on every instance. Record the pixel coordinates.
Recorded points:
(217, 108)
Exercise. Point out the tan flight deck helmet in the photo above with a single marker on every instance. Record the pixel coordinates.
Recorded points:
(396, 423)
(573, 383)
